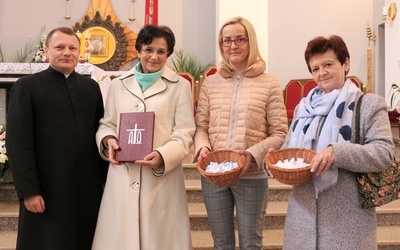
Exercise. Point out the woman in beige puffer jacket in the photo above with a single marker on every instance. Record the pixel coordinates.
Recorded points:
(240, 108)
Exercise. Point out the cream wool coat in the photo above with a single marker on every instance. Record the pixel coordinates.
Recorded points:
(140, 209)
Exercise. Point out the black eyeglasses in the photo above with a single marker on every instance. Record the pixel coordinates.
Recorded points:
(226, 42)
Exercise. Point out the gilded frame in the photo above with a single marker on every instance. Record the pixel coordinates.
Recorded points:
(102, 45)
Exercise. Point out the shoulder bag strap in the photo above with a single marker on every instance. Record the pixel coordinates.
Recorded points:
(358, 111)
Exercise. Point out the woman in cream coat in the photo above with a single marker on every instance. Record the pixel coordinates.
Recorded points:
(144, 204)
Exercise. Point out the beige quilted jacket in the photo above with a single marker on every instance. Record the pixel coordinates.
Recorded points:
(246, 113)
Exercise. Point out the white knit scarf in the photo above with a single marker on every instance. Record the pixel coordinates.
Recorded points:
(337, 106)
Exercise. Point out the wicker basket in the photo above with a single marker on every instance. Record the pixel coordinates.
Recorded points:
(290, 176)
(219, 156)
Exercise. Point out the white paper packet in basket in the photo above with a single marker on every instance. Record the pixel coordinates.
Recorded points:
(292, 163)
(215, 167)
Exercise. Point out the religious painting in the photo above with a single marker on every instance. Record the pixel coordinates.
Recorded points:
(97, 45)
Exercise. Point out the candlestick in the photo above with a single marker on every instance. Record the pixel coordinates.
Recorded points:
(87, 38)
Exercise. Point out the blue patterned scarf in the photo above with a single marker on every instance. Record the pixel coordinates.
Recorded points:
(337, 106)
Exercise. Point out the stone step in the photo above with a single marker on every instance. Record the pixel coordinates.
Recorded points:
(273, 239)
(9, 216)
(8, 240)
(7, 193)
(275, 217)
(388, 239)
(277, 191)
(190, 171)
(388, 215)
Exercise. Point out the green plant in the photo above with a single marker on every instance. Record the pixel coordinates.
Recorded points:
(4, 164)
(1, 54)
(22, 54)
(187, 63)
(3, 129)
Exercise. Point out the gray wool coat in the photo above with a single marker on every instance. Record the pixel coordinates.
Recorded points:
(336, 219)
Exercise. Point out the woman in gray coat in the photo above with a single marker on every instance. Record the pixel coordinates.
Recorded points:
(325, 213)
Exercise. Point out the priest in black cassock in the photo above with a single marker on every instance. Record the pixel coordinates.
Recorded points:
(52, 119)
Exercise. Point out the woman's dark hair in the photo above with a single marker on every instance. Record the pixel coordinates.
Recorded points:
(149, 32)
(320, 45)
(65, 30)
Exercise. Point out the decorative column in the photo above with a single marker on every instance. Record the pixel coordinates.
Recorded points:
(151, 12)
(369, 87)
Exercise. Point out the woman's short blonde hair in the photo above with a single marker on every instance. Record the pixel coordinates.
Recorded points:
(254, 52)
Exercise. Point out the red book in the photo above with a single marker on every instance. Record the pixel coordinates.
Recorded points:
(135, 137)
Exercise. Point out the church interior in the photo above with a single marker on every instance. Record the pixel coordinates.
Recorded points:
(108, 30)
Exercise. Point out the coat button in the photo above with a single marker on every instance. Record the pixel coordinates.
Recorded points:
(135, 185)
(140, 107)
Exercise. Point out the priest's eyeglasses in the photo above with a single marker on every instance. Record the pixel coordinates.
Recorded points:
(226, 42)
(150, 52)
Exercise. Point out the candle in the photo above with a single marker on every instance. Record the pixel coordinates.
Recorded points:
(87, 46)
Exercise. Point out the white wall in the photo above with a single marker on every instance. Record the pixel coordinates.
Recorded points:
(255, 11)
(379, 48)
(192, 21)
(198, 28)
(293, 23)
(283, 28)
